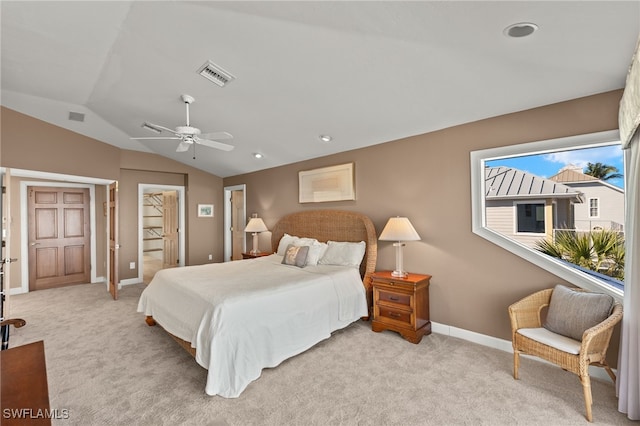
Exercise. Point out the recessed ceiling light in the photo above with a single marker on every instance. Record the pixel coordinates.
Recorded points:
(325, 138)
(521, 29)
(257, 155)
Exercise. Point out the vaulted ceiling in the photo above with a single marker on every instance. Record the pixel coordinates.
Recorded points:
(362, 72)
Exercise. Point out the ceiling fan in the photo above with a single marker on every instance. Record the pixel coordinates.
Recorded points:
(188, 135)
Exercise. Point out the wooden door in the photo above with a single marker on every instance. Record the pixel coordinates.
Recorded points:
(59, 237)
(237, 224)
(170, 229)
(113, 240)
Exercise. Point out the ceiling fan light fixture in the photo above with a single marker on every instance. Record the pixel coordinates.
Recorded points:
(519, 30)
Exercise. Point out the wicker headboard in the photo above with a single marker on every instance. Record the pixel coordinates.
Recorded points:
(335, 225)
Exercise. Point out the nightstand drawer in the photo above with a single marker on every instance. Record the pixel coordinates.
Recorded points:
(399, 298)
(394, 314)
(393, 285)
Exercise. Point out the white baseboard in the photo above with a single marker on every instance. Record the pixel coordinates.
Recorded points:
(501, 344)
(129, 281)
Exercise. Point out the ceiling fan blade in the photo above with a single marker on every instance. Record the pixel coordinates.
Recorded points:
(158, 137)
(214, 144)
(216, 136)
(152, 127)
(183, 146)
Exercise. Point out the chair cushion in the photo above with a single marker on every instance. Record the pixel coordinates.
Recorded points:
(552, 339)
(572, 312)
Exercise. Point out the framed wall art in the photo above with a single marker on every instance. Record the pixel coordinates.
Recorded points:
(334, 183)
(205, 210)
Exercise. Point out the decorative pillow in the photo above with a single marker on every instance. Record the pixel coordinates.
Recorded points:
(572, 312)
(316, 251)
(343, 254)
(295, 255)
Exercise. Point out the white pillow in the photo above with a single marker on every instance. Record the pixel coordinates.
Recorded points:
(316, 251)
(293, 240)
(343, 254)
(284, 243)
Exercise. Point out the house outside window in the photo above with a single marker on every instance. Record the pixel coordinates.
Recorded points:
(530, 217)
(503, 178)
(594, 207)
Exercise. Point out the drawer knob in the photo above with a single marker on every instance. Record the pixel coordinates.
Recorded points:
(394, 298)
(393, 314)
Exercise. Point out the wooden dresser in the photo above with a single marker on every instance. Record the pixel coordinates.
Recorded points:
(401, 304)
(24, 397)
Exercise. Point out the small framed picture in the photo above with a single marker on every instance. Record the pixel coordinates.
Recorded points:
(205, 210)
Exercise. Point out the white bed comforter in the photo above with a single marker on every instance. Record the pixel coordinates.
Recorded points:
(248, 315)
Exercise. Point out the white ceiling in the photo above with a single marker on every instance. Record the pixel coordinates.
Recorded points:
(362, 72)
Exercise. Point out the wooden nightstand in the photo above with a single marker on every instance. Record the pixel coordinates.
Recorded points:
(401, 304)
(254, 255)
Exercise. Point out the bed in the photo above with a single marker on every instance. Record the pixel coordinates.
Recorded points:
(237, 318)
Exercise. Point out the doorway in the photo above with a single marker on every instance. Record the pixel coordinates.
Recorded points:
(59, 236)
(235, 218)
(21, 238)
(161, 229)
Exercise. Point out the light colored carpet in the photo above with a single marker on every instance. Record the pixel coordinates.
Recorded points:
(107, 367)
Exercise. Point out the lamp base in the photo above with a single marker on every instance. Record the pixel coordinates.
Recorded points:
(399, 274)
(255, 249)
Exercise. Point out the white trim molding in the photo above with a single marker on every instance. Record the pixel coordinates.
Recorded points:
(501, 344)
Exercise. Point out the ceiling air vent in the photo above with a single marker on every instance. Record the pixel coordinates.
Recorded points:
(213, 72)
(76, 116)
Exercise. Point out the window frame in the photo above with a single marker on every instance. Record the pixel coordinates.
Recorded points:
(597, 200)
(516, 221)
(478, 161)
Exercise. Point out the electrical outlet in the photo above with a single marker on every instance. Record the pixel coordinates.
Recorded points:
(132, 265)
(210, 257)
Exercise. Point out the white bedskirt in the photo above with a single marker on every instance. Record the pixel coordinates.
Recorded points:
(247, 315)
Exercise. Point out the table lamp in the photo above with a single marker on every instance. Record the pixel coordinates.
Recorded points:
(399, 229)
(255, 225)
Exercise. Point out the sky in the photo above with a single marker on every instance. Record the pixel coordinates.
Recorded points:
(547, 165)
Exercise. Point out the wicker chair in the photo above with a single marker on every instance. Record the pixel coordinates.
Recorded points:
(593, 347)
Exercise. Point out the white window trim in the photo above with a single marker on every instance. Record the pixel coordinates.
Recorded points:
(598, 207)
(478, 211)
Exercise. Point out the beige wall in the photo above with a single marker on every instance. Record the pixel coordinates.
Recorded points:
(424, 177)
(32, 144)
(427, 179)
(204, 235)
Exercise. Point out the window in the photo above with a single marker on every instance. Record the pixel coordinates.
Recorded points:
(530, 218)
(594, 204)
(490, 209)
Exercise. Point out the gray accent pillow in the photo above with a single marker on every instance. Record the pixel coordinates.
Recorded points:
(296, 255)
(572, 312)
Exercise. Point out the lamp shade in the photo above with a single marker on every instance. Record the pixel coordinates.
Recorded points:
(399, 229)
(255, 225)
